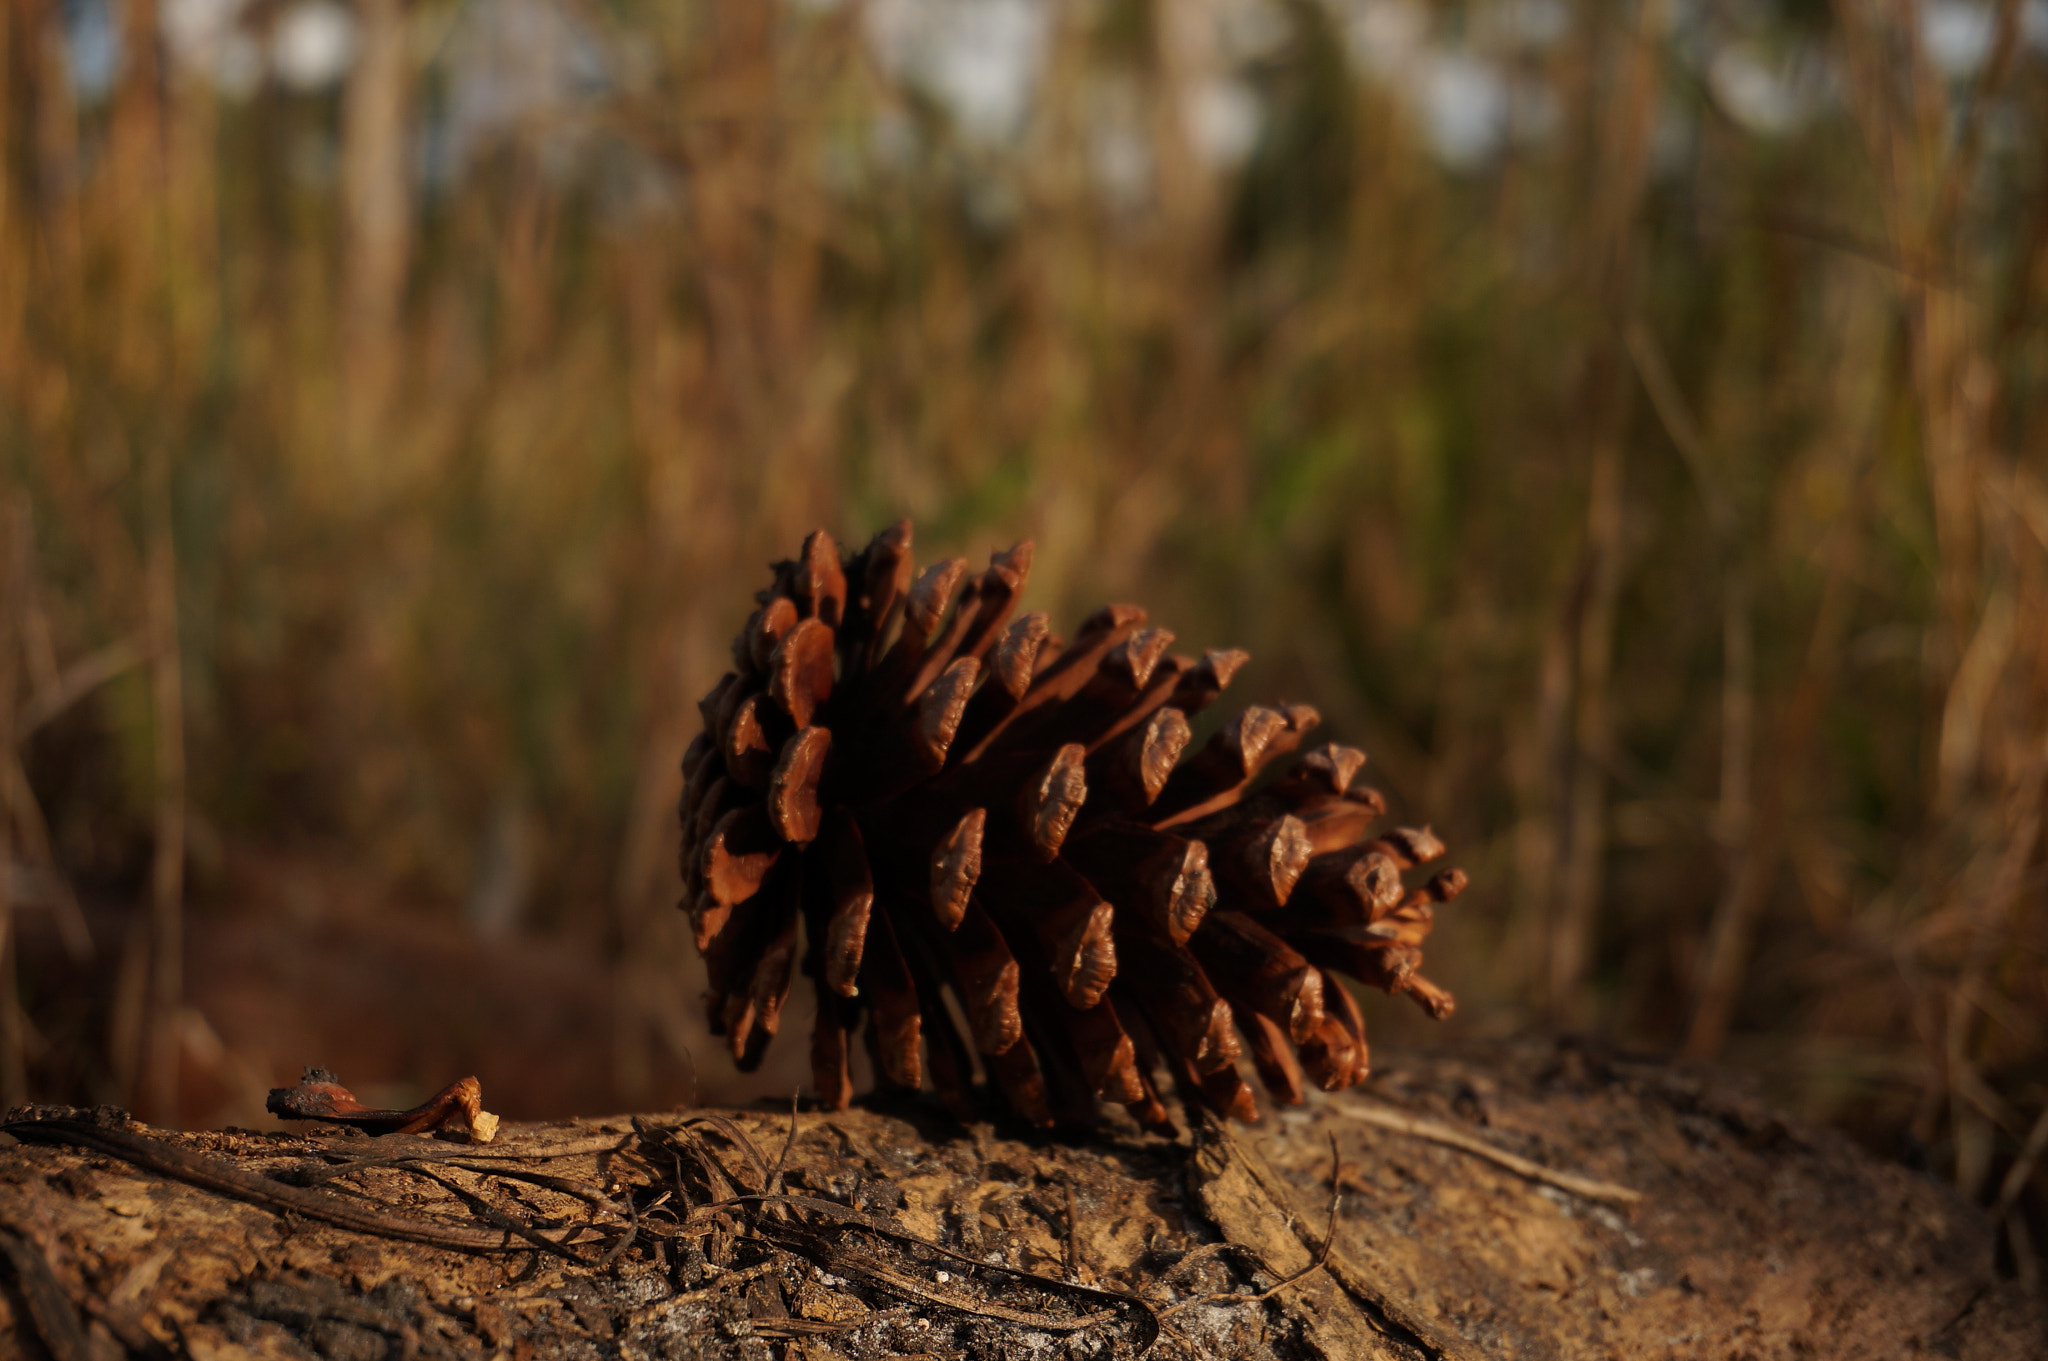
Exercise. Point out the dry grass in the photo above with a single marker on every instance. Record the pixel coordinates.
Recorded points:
(1669, 518)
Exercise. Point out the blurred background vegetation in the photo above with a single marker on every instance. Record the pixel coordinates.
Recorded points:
(1628, 421)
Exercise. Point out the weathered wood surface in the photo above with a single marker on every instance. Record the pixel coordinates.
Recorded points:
(888, 1233)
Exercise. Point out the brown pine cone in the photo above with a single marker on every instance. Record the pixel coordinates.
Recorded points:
(975, 821)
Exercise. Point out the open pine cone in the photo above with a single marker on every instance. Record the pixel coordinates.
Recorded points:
(952, 801)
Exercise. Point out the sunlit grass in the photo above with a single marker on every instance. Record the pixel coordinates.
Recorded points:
(1658, 496)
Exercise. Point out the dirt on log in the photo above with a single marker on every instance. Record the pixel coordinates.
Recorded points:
(1535, 1199)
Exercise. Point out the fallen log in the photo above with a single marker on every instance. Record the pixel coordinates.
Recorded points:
(1529, 1199)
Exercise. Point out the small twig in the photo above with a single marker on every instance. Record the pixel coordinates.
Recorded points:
(33, 831)
(734, 1135)
(222, 1177)
(1436, 1132)
(2026, 1262)
(681, 1140)
(607, 1145)
(626, 1240)
(791, 1234)
(418, 1167)
(1316, 1263)
(843, 1261)
(725, 1281)
(499, 1219)
(774, 1182)
(1073, 1246)
(593, 1197)
(787, 1329)
(378, 1156)
(832, 1209)
(2022, 1169)
(158, 1070)
(77, 681)
(1196, 1255)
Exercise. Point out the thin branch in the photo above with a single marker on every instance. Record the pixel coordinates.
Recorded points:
(775, 1176)
(78, 680)
(224, 1178)
(2022, 1170)
(1416, 1127)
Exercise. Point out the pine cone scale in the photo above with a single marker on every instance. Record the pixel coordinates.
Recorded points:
(1069, 920)
(1162, 877)
(1135, 766)
(889, 988)
(848, 908)
(1332, 824)
(740, 850)
(1050, 801)
(1037, 715)
(794, 808)
(986, 971)
(956, 867)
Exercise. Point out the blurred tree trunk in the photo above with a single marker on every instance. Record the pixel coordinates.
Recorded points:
(376, 178)
(1579, 717)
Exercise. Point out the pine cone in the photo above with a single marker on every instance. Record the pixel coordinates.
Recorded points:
(956, 804)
